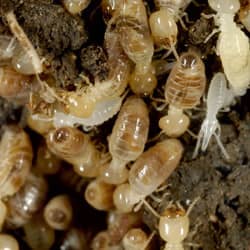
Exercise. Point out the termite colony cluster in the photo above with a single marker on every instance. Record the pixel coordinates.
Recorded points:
(145, 60)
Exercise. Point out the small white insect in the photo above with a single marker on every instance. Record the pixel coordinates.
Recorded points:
(232, 45)
(218, 97)
(104, 110)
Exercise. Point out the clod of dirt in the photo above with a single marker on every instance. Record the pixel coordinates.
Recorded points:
(221, 218)
(58, 29)
(94, 60)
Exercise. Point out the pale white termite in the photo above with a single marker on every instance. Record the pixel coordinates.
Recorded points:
(127, 141)
(163, 23)
(174, 226)
(148, 172)
(232, 45)
(218, 96)
(183, 90)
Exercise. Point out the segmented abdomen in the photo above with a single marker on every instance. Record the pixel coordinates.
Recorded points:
(186, 84)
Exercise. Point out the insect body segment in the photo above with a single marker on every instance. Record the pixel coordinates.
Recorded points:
(127, 140)
(147, 173)
(76, 148)
(216, 99)
(183, 90)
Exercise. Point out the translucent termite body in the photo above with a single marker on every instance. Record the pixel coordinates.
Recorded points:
(183, 90)
(127, 140)
(120, 223)
(217, 97)
(75, 147)
(7, 46)
(26, 61)
(100, 195)
(74, 239)
(100, 101)
(102, 241)
(232, 45)
(135, 239)
(163, 23)
(27, 201)
(76, 6)
(16, 158)
(14, 86)
(136, 40)
(38, 234)
(58, 212)
(149, 171)
(8, 242)
(46, 162)
(174, 226)
(244, 14)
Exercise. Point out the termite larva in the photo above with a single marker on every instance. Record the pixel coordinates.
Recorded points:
(163, 23)
(183, 90)
(174, 226)
(135, 239)
(75, 6)
(232, 45)
(100, 195)
(137, 43)
(8, 242)
(58, 212)
(127, 140)
(147, 173)
(120, 223)
(27, 201)
(46, 162)
(38, 234)
(16, 159)
(75, 147)
(14, 86)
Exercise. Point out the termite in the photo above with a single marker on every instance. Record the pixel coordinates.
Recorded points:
(136, 40)
(127, 140)
(16, 160)
(149, 171)
(75, 6)
(218, 96)
(174, 226)
(232, 45)
(163, 23)
(76, 148)
(58, 212)
(183, 90)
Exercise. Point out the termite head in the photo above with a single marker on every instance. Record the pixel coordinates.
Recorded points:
(225, 6)
(134, 239)
(175, 123)
(174, 225)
